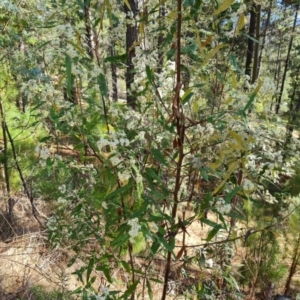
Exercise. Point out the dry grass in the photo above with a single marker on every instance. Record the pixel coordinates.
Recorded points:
(26, 258)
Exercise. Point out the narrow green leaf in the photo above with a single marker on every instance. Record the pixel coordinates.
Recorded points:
(126, 266)
(149, 74)
(42, 45)
(204, 174)
(209, 222)
(234, 63)
(49, 166)
(130, 290)
(102, 85)
(106, 271)
(156, 280)
(154, 248)
(150, 292)
(116, 59)
(69, 75)
(252, 38)
(226, 4)
(158, 156)
(90, 269)
(151, 173)
(213, 232)
(232, 194)
(80, 3)
(187, 96)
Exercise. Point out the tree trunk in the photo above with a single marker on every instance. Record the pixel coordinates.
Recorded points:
(131, 39)
(114, 77)
(264, 37)
(256, 51)
(250, 47)
(161, 36)
(295, 260)
(278, 102)
(88, 31)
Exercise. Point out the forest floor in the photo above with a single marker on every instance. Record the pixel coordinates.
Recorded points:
(27, 260)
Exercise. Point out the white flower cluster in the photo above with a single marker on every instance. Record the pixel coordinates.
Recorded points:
(135, 228)
(43, 153)
(62, 188)
(105, 293)
(51, 224)
(116, 158)
(269, 198)
(248, 185)
(112, 141)
(207, 130)
(222, 206)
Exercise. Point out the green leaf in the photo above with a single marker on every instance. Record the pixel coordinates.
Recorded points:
(90, 269)
(120, 240)
(204, 174)
(234, 63)
(69, 75)
(49, 164)
(126, 266)
(151, 173)
(158, 156)
(187, 96)
(252, 38)
(116, 59)
(226, 4)
(44, 139)
(149, 74)
(42, 45)
(155, 280)
(130, 290)
(205, 203)
(213, 232)
(150, 292)
(252, 97)
(80, 3)
(209, 222)
(102, 85)
(106, 271)
(154, 248)
(232, 194)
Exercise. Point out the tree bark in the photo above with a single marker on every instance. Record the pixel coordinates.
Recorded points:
(131, 39)
(295, 260)
(114, 77)
(264, 37)
(256, 50)
(278, 102)
(250, 47)
(88, 31)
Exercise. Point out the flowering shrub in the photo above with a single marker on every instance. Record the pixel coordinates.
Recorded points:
(200, 145)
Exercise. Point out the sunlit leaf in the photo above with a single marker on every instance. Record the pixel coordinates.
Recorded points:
(226, 4)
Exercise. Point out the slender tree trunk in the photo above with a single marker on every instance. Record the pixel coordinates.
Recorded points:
(294, 110)
(88, 30)
(264, 37)
(295, 260)
(161, 36)
(277, 69)
(256, 50)
(250, 48)
(131, 39)
(114, 77)
(278, 102)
